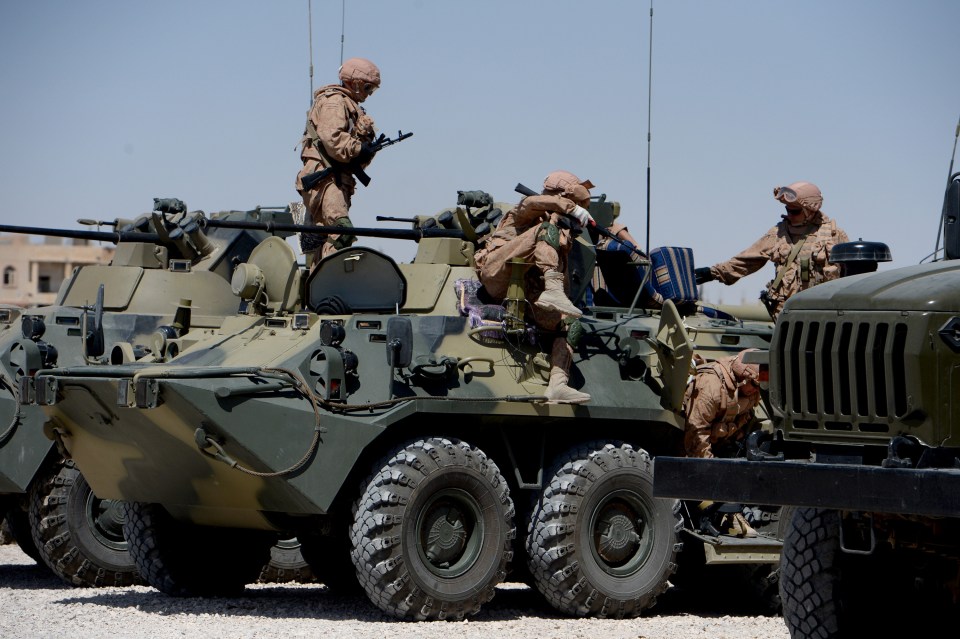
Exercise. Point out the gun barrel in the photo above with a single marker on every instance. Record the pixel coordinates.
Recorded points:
(103, 236)
(392, 234)
(387, 218)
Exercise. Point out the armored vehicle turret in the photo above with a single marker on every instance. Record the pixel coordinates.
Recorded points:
(169, 276)
(393, 420)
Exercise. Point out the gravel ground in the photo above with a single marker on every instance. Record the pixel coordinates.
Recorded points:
(34, 604)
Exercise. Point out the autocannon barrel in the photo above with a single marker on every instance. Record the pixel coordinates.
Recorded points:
(394, 234)
(103, 236)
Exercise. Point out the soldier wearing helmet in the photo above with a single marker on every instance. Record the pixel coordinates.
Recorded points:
(538, 232)
(338, 132)
(799, 246)
(718, 406)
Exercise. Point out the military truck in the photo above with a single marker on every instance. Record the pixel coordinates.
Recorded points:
(393, 420)
(863, 382)
(162, 258)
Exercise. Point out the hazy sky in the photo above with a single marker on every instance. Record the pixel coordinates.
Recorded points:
(107, 104)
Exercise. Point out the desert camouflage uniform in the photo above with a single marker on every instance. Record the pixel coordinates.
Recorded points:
(809, 268)
(716, 411)
(340, 126)
(522, 234)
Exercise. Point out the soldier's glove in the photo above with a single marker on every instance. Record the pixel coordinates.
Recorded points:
(582, 216)
(367, 151)
(703, 275)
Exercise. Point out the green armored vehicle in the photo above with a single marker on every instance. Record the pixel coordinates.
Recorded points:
(862, 377)
(161, 258)
(395, 424)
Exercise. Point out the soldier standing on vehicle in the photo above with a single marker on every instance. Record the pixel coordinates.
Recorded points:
(539, 232)
(338, 132)
(799, 247)
(718, 406)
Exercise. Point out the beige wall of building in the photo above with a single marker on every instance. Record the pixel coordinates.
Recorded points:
(31, 270)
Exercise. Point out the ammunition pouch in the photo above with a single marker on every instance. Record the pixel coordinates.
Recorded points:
(805, 269)
(550, 234)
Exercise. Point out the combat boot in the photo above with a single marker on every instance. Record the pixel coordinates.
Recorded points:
(558, 391)
(553, 297)
(739, 526)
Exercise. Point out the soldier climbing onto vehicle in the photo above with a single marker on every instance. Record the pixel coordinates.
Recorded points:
(718, 406)
(338, 133)
(799, 246)
(539, 231)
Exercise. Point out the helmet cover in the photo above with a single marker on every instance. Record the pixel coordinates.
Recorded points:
(803, 194)
(745, 372)
(569, 185)
(360, 69)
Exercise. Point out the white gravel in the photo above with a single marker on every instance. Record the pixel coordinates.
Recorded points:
(36, 605)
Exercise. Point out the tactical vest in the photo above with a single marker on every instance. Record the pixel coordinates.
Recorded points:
(728, 399)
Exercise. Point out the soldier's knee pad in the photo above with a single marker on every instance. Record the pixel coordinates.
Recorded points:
(550, 234)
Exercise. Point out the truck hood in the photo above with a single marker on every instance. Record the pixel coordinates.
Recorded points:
(923, 287)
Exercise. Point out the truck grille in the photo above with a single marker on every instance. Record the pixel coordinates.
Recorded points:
(840, 374)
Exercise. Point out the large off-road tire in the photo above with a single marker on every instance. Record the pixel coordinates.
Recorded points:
(18, 523)
(79, 536)
(433, 531)
(186, 560)
(6, 536)
(287, 564)
(829, 594)
(329, 558)
(599, 543)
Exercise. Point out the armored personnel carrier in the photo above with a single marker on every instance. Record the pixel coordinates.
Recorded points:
(162, 259)
(867, 449)
(394, 422)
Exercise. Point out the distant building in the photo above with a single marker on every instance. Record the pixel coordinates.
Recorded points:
(32, 271)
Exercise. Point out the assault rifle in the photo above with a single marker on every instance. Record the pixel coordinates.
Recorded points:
(525, 190)
(310, 180)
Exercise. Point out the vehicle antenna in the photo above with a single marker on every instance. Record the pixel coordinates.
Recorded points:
(943, 213)
(649, 109)
(310, 36)
(343, 21)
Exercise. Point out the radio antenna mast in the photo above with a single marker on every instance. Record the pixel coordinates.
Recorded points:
(649, 110)
(943, 213)
(310, 36)
(343, 21)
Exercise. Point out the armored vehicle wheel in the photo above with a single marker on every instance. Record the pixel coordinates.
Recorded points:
(329, 558)
(287, 564)
(828, 593)
(17, 522)
(186, 560)
(79, 536)
(433, 530)
(6, 537)
(599, 543)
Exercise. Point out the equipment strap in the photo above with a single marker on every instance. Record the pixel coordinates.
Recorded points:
(790, 259)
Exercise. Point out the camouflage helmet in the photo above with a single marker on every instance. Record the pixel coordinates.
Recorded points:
(360, 69)
(803, 194)
(568, 185)
(744, 372)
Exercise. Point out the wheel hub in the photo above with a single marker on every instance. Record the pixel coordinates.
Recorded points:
(618, 534)
(446, 536)
(106, 518)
